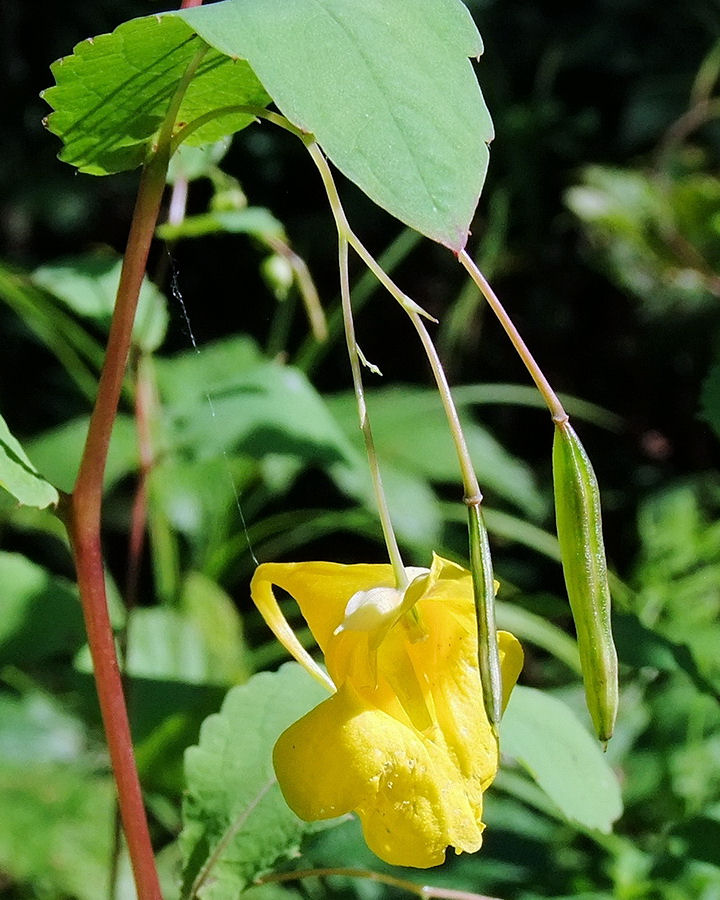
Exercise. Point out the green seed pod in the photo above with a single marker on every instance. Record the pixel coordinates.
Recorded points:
(484, 591)
(579, 528)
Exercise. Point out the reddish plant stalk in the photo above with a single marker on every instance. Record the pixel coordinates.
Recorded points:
(84, 528)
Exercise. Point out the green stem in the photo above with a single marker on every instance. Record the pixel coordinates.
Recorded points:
(85, 506)
(407, 303)
(344, 235)
(311, 352)
(481, 561)
(543, 385)
(480, 557)
(469, 479)
(470, 484)
(401, 578)
(421, 890)
(305, 285)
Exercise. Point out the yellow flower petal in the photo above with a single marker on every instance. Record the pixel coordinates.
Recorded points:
(261, 590)
(511, 662)
(322, 590)
(345, 755)
(405, 741)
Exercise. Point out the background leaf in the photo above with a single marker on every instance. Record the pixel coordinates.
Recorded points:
(543, 735)
(403, 409)
(58, 451)
(41, 613)
(88, 284)
(18, 475)
(35, 729)
(236, 823)
(56, 828)
(385, 86)
(63, 336)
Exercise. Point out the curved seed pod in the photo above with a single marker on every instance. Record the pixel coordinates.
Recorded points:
(579, 528)
(484, 591)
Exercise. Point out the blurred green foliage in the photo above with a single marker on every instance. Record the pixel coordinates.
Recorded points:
(600, 226)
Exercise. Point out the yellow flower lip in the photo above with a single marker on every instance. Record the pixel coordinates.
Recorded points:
(403, 740)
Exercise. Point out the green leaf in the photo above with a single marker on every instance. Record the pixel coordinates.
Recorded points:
(221, 403)
(173, 689)
(41, 613)
(270, 892)
(88, 284)
(386, 87)
(56, 829)
(528, 626)
(192, 376)
(215, 616)
(191, 163)
(236, 821)
(58, 451)
(34, 729)
(254, 220)
(18, 475)
(268, 408)
(60, 332)
(182, 645)
(112, 93)
(543, 735)
(403, 410)
(165, 645)
(701, 838)
(639, 646)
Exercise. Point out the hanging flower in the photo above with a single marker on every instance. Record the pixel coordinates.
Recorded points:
(403, 740)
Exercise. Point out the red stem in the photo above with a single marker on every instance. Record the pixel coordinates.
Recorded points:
(84, 527)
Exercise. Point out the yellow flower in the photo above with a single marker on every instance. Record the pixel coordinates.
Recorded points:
(403, 740)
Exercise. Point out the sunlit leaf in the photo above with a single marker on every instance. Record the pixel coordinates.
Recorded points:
(112, 93)
(385, 85)
(543, 735)
(236, 821)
